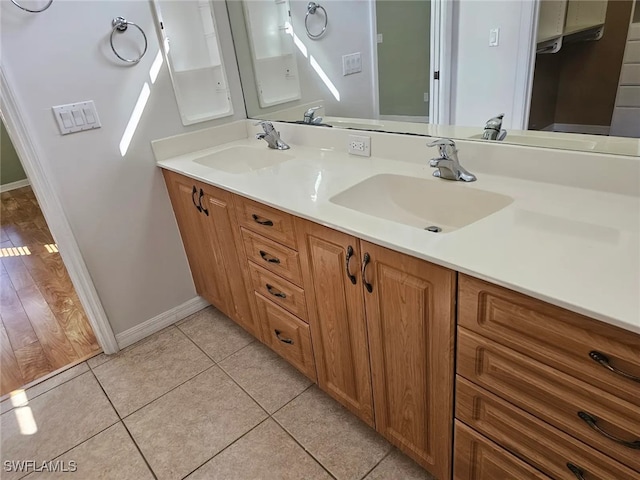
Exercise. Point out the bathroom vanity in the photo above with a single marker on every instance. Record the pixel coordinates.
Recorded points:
(505, 346)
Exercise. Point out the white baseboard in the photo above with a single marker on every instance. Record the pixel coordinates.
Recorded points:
(13, 185)
(157, 323)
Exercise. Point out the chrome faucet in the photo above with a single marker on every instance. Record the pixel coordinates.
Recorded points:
(271, 136)
(310, 118)
(493, 129)
(448, 166)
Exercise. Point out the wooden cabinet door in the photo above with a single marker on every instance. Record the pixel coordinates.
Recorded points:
(209, 237)
(204, 259)
(225, 242)
(336, 315)
(410, 319)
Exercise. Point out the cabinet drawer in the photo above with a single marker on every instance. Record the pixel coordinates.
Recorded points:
(575, 344)
(279, 291)
(532, 440)
(267, 221)
(286, 335)
(553, 396)
(477, 458)
(272, 256)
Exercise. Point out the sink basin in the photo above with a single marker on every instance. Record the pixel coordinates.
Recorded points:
(243, 158)
(420, 202)
(546, 141)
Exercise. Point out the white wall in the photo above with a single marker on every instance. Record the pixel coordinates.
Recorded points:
(117, 206)
(348, 31)
(487, 80)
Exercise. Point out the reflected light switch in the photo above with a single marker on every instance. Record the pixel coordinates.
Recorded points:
(66, 119)
(88, 115)
(494, 37)
(76, 117)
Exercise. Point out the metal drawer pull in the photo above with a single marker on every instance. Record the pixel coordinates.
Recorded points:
(194, 192)
(604, 361)
(200, 202)
(267, 257)
(274, 292)
(349, 255)
(256, 219)
(365, 262)
(283, 340)
(578, 472)
(592, 422)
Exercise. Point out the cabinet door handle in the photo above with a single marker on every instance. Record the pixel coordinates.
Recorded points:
(592, 422)
(274, 292)
(365, 262)
(578, 472)
(267, 223)
(200, 202)
(194, 192)
(283, 340)
(604, 361)
(349, 255)
(267, 257)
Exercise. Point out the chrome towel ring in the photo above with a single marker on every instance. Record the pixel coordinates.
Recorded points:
(120, 25)
(312, 7)
(32, 11)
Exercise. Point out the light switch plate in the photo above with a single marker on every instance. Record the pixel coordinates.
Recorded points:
(351, 63)
(76, 117)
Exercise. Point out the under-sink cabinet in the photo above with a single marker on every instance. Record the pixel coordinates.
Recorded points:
(370, 325)
(540, 392)
(206, 220)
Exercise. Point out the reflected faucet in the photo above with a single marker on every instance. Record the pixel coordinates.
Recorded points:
(448, 166)
(271, 136)
(493, 129)
(310, 118)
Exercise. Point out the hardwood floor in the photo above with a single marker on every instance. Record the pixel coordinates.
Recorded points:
(43, 325)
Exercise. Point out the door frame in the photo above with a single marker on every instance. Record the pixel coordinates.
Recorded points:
(441, 49)
(39, 177)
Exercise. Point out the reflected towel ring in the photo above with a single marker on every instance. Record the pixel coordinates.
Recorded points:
(32, 11)
(121, 25)
(312, 7)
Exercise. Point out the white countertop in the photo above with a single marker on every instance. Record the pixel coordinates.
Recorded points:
(572, 247)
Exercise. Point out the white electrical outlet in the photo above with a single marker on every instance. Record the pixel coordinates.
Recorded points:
(359, 145)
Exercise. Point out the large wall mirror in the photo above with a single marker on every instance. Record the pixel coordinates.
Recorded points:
(565, 73)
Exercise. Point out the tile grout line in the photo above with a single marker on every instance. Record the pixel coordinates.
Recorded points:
(378, 462)
(225, 448)
(46, 391)
(162, 395)
(144, 459)
(269, 416)
(92, 436)
(121, 420)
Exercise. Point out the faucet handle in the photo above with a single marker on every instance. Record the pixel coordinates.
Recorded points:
(442, 144)
(266, 125)
(313, 109)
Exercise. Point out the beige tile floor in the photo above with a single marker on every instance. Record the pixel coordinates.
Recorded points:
(198, 400)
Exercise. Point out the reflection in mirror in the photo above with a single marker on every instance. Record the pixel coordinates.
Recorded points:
(190, 44)
(569, 80)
